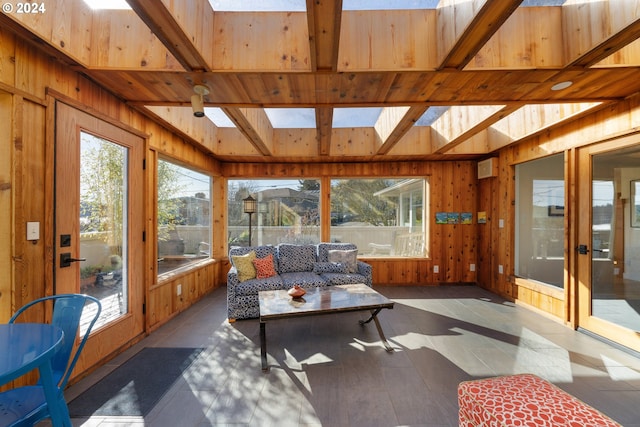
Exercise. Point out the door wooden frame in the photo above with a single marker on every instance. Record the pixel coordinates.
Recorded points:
(583, 225)
(105, 341)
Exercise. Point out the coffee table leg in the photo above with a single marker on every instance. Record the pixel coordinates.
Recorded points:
(374, 317)
(263, 346)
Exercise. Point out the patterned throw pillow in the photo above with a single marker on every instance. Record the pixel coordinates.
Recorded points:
(348, 258)
(244, 265)
(329, 267)
(264, 267)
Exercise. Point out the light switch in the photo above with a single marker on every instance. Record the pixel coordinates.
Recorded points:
(33, 230)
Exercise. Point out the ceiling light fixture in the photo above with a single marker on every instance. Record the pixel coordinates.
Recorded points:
(561, 85)
(197, 100)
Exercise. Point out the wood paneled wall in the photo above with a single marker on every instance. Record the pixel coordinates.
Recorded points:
(452, 188)
(497, 196)
(28, 84)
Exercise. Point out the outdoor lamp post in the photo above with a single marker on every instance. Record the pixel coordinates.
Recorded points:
(249, 205)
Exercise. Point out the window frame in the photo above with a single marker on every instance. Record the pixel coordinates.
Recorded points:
(203, 248)
(404, 245)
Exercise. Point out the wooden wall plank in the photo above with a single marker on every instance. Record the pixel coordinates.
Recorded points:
(6, 205)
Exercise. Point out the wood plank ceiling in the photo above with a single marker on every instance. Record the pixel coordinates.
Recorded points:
(460, 80)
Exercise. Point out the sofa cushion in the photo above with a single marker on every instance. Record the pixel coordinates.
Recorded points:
(244, 265)
(252, 286)
(347, 257)
(329, 267)
(293, 258)
(306, 279)
(264, 267)
(344, 279)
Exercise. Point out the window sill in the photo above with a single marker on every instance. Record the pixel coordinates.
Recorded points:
(182, 271)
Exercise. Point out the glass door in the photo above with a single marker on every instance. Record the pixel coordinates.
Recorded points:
(99, 224)
(609, 242)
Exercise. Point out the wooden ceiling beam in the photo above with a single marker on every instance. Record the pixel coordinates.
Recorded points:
(255, 125)
(394, 123)
(324, 125)
(482, 25)
(180, 121)
(324, 18)
(185, 28)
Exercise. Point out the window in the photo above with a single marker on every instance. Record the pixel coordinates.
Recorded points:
(383, 217)
(540, 220)
(288, 211)
(184, 216)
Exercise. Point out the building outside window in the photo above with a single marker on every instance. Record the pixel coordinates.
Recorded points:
(184, 216)
(383, 217)
(288, 211)
(540, 189)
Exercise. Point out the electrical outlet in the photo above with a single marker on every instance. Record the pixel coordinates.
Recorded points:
(500, 269)
(179, 289)
(472, 267)
(436, 269)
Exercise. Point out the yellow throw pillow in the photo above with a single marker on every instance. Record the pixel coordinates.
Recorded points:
(244, 265)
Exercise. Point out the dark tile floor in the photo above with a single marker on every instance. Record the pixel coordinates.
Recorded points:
(330, 371)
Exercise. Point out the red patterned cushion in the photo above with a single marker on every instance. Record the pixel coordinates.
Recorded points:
(264, 267)
(523, 400)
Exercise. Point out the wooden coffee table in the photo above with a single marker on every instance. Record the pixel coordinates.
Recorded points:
(333, 299)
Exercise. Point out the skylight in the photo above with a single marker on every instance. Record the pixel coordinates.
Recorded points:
(355, 117)
(218, 117)
(259, 5)
(107, 4)
(431, 115)
(283, 118)
(388, 4)
(300, 5)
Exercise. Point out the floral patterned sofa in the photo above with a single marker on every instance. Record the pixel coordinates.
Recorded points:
(262, 268)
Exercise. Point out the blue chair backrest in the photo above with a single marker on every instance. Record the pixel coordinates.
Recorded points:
(67, 314)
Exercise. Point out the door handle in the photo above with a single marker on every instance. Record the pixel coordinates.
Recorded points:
(582, 249)
(66, 260)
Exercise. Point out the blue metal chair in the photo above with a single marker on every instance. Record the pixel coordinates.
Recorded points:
(25, 406)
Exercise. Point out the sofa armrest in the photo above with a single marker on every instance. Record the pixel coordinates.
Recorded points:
(232, 282)
(366, 270)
